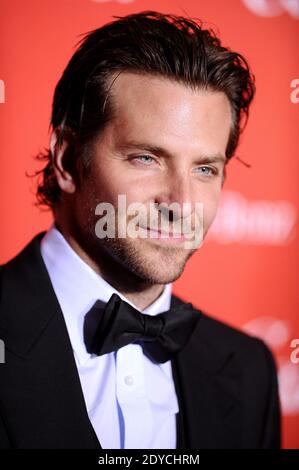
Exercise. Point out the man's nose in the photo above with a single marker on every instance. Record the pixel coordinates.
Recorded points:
(176, 197)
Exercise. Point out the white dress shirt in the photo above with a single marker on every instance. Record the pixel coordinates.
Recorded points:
(131, 401)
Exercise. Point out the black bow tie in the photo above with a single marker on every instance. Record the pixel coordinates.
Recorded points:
(161, 336)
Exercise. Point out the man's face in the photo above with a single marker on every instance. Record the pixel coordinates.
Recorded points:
(159, 148)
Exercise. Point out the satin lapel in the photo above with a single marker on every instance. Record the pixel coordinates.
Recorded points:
(40, 385)
(208, 386)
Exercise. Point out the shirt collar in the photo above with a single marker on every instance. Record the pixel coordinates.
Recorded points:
(77, 287)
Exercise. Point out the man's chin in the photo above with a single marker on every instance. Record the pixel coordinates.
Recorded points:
(160, 278)
(160, 272)
(152, 264)
(167, 279)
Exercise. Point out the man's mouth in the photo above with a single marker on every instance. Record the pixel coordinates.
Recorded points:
(170, 236)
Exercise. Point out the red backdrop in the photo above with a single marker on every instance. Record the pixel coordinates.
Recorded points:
(246, 272)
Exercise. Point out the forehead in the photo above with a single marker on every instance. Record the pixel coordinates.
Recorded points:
(157, 108)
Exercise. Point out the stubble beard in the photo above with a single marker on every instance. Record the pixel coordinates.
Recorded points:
(147, 261)
(152, 262)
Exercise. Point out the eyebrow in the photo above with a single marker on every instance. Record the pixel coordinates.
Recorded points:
(165, 153)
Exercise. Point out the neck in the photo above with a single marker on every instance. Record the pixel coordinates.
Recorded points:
(138, 291)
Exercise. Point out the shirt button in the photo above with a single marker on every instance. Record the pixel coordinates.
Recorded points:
(129, 380)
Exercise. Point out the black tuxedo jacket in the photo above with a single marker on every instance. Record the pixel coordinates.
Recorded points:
(225, 380)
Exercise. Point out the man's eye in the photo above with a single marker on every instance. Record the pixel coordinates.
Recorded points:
(147, 159)
(207, 170)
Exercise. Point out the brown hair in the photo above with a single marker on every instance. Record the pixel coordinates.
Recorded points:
(147, 42)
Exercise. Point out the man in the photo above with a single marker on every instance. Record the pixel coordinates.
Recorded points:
(99, 353)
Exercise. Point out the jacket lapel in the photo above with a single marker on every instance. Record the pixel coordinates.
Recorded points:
(208, 385)
(39, 382)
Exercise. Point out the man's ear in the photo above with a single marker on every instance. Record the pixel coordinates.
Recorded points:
(60, 152)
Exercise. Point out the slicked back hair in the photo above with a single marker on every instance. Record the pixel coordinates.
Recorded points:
(148, 42)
